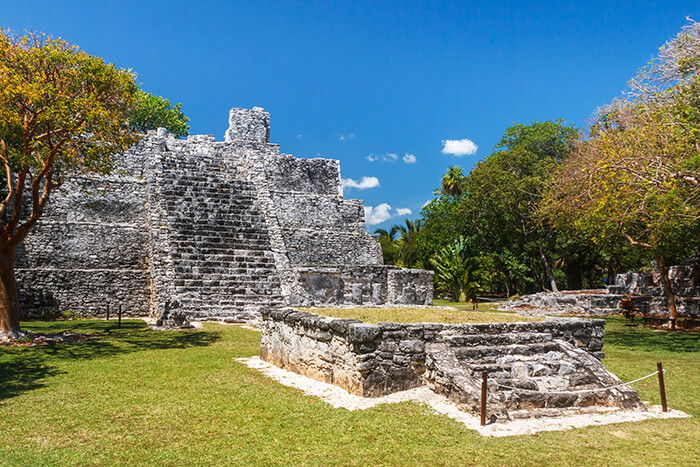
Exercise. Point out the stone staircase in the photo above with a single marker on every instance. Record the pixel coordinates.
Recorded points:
(220, 260)
(544, 371)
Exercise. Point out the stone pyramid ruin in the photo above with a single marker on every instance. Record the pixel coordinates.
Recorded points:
(200, 229)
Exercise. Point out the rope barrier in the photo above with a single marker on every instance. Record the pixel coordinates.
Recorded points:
(581, 391)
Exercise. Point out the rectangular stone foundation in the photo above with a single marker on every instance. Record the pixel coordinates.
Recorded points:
(378, 359)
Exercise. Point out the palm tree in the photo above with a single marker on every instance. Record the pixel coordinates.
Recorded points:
(452, 182)
(408, 242)
(387, 240)
(455, 271)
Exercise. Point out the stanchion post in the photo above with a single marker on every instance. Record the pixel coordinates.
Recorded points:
(483, 398)
(119, 324)
(662, 388)
(107, 311)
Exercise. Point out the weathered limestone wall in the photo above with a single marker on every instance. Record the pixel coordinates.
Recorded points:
(90, 247)
(199, 229)
(376, 359)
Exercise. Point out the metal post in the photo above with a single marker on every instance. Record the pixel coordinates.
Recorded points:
(662, 388)
(483, 398)
(107, 311)
(119, 324)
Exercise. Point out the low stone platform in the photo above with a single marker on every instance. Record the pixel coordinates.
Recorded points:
(531, 366)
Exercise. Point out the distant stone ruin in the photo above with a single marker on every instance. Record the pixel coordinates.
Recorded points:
(644, 289)
(200, 229)
(546, 368)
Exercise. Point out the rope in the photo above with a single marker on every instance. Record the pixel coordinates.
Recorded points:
(580, 391)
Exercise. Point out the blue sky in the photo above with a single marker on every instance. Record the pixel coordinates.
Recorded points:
(382, 86)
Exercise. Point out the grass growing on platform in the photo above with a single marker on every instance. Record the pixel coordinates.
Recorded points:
(421, 315)
(140, 397)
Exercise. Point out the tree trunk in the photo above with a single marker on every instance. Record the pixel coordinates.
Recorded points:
(574, 280)
(548, 271)
(670, 296)
(9, 309)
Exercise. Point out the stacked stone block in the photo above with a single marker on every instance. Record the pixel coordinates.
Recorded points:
(199, 229)
(546, 357)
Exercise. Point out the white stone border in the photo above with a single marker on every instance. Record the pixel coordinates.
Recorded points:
(340, 398)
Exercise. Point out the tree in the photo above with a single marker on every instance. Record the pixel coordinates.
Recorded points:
(60, 110)
(503, 193)
(151, 112)
(452, 182)
(387, 240)
(637, 175)
(408, 243)
(455, 271)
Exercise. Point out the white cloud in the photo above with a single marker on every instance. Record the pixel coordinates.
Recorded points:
(388, 157)
(382, 212)
(346, 137)
(378, 214)
(362, 184)
(300, 137)
(426, 203)
(459, 147)
(409, 158)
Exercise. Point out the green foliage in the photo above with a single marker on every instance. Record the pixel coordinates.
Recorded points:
(61, 111)
(404, 250)
(153, 112)
(452, 182)
(455, 271)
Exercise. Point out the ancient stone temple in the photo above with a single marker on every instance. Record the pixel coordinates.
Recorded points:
(200, 229)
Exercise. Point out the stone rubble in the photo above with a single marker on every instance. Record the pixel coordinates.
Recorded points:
(644, 289)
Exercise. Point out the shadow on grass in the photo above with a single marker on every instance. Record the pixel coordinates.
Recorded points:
(23, 374)
(26, 368)
(618, 332)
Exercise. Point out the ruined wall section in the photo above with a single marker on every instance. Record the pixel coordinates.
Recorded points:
(91, 246)
(214, 257)
(543, 358)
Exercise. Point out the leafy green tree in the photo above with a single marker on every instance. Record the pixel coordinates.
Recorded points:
(503, 193)
(387, 240)
(151, 112)
(456, 271)
(408, 243)
(60, 110)
(638, 174)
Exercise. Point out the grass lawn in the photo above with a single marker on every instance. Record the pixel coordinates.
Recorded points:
(140, 397)
(422, 315)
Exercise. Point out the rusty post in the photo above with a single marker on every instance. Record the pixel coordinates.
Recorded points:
(107, 311)
(662, 388)
(483, 398)
(119, 324)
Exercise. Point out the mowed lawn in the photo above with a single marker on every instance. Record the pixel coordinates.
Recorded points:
(140, 397)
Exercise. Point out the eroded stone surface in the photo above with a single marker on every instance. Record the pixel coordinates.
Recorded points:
(199, 229)
(549, 357)
(644, 289)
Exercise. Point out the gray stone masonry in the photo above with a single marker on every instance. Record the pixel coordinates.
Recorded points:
(377, 359)
(200, 229)
(645, 290)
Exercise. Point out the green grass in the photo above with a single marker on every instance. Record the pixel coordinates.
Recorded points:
(140, 397)
(422, 315)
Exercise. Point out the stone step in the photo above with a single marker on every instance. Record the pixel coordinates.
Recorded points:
(496, 339)
(480, 352)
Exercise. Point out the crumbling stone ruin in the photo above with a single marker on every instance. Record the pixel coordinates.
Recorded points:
(200, 229)
(534, 368)
(644, 289)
